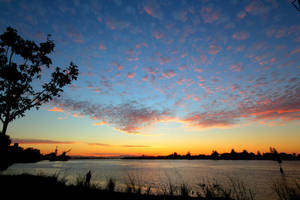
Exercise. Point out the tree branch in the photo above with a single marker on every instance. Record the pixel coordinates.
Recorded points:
(1, 119)
(10, 57)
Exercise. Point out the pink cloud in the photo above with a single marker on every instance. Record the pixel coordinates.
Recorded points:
(152, 71)
(237, 67)
(184, 54)
(56, 109)
(213, 49)
(240, 35)
(169, 74)
(102, 46)
(75, 37)
(283, 108)
(198, 69)
(209, 15)
(131, 75)
(111, 24)
(174, 51)
(182, 67)
(145, 78)
(203, 58)
(256, 7)
(163, 60)
(158, 35)
(242, 15)
(296, 50)
(119, 67)
(152, 8)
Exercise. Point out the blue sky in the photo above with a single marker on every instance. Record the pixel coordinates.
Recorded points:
(154, 66)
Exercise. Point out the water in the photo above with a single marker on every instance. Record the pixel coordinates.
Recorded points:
(257, 175)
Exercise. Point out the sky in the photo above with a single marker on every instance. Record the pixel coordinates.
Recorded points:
(158, 77)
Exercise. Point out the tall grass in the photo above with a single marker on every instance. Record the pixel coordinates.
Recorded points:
(111, 185)
(234, 189)
(286, 190)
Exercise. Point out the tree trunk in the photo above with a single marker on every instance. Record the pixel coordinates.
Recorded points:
(4, 127)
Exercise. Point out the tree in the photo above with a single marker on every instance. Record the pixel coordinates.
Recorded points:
(21, 63)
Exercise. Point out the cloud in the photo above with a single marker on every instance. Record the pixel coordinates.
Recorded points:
(116, 24)
(214, 49)
(296, 50)
(125, 145)
(129, 117)
(102, 46)
(131, 75)
(39, 141)
(145, 78)
(283, 108)
(241, 15)
(237, 67)
(100, 123)
(256, 8)
(169, 74)
(209, 15)
(135, 146)
(56, 109)
(163, 60)
(99, 144)
(152, 8)
(210, 119)
(240, 35)
(119, 66)
(158, 35)
(75, 37)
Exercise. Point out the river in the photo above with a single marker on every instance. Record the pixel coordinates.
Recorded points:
(259, 176)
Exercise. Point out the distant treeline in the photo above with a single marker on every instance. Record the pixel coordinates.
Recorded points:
(233, 155)
(10, 154)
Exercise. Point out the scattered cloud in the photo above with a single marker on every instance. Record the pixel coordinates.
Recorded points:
(56, 109)
(296, 50)
(131, 75)
(209, 15)
(75, 37)
(214, 49)
(99, 144)
(152, 8)
(102, 46)
(99, 123)
(135, 146)
(169, 74)
(237, 67)
(241, 35)
(283, 108)
(129, 117)
(40, 141)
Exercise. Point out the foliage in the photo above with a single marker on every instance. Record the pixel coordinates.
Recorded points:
(21, 63)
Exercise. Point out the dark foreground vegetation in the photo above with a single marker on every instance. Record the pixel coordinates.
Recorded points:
(41, 186)
(50, 186)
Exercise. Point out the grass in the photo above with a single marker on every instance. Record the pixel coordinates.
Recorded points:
(286, 190)
(32, 186)
(234, 189)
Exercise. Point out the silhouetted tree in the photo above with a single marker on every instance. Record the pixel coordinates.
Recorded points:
(21, 62)
(214, 155)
